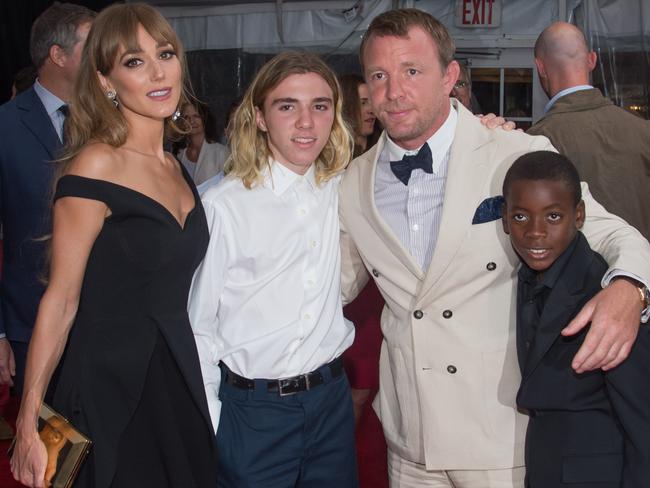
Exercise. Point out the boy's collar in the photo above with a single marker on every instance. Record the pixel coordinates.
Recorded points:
(279, 178)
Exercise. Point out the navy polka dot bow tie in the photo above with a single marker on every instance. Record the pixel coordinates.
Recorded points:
(423, 160)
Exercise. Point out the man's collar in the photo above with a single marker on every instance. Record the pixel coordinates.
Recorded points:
(49, 100)
(564, 92)
(439, 142)
(280, 178)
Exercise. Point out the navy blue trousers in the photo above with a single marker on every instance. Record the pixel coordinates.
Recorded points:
(304, 440)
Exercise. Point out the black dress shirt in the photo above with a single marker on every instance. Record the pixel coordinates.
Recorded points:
(533, 289)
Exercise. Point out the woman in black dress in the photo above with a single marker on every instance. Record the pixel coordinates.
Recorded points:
(128, 232)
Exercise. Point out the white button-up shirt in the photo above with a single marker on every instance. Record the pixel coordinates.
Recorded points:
(267, 298)
(414, 211)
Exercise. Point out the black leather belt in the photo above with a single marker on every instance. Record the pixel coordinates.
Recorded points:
(287, 386)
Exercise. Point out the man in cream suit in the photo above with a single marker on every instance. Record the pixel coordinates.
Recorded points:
(427, 228)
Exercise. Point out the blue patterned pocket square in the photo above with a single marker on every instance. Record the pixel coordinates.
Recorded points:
(488, 210)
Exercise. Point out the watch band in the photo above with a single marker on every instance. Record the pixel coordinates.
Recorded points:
(644, 293)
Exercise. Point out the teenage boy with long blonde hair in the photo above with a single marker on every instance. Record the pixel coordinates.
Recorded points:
(266, 304)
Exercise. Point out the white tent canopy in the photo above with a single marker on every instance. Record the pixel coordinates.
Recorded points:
(335, 24)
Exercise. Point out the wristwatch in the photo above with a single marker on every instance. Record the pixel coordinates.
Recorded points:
(644, 294)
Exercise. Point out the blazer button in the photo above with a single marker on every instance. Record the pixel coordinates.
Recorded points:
(491, 266)
(447, 314)
(418, 314)
(375, 273)
(451, 369)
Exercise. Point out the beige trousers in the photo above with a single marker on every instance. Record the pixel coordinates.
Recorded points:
(407, 474)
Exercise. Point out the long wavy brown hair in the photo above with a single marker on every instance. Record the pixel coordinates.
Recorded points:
(248, 144)
(93, 117)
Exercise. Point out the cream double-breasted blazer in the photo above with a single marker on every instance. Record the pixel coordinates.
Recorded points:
(448, 368)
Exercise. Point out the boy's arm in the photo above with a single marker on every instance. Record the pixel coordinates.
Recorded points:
(203, 307)
(628, 387)
(354, 274)
(614, 312)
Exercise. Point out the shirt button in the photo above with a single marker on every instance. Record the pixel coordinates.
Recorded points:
(302, 211)
(447, 314)
(491, 266)
(451, 369)
(416, 227)
(527, 344)
(313, 243)
(307, 316)
(310, 282)
(418, 314)
(375, 273)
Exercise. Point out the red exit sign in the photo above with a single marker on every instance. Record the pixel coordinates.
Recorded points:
(478, 13)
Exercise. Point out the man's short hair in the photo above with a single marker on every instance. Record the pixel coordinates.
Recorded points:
(57, 25)
(544, 165)
(397, 23)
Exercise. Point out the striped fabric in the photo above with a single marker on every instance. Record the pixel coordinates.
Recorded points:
(414, 212)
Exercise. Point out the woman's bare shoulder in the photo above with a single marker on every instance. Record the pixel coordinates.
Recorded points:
(98, 161)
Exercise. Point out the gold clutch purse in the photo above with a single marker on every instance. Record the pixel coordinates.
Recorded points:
(66, 448)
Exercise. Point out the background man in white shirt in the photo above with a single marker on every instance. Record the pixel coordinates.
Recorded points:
(421, 211)
(266, 301)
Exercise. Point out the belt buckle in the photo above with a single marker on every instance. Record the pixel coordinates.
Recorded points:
(291, 386)
(284, 387)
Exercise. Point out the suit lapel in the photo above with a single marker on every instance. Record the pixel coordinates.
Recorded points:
(559, 308)
(379, 225)
(466, 177)
(36, 119)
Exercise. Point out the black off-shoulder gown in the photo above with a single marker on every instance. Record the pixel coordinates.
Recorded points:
(130, 378)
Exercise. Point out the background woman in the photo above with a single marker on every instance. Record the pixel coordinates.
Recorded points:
(200, 153)
(357, 112)
(128, 232)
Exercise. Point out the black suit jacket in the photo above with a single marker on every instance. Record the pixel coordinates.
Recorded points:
(28, 144)
(591, 429)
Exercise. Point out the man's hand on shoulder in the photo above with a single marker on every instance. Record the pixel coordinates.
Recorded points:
(7, 363)
(614, 314)
(491, 121)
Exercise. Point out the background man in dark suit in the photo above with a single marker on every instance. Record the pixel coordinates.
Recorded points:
(609, 146)
(32, 126)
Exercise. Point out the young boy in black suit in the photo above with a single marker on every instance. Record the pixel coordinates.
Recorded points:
(585, 430)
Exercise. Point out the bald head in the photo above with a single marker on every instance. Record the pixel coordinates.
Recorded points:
(563, 58)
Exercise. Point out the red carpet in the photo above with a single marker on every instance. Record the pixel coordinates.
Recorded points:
(371, 451)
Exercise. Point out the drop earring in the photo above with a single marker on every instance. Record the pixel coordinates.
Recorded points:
(176, 115)
(112, 96)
